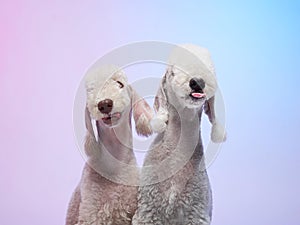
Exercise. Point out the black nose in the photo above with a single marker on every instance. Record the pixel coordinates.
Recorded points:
(105, 106)
(197, 84)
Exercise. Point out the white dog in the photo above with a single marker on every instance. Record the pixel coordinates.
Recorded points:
(175, 189)
(106, 194)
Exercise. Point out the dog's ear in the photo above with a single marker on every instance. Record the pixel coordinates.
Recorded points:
(142, 114)
(159, 122)
(90, 125)
(218, 133)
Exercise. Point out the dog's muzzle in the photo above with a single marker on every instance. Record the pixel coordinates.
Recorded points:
(111, 118)
(105, 107)
(197, 85)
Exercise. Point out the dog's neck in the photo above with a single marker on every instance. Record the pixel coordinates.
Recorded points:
(117, 141)
(112, 155)
(185, 119)
(184, 126)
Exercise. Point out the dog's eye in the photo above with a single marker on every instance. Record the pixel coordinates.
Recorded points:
(121, 85)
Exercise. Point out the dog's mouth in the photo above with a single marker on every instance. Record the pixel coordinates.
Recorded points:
(197, 96)
(109, 119)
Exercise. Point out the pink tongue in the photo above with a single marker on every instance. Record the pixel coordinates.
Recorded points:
(198, 95)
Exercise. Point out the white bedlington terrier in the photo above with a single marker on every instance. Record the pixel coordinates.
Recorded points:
(175, 186)
(107, 192)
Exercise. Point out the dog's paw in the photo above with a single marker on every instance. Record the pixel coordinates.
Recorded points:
(158, 125)
(218, 133)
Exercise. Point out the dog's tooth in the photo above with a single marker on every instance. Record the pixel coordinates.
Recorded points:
(94, 125)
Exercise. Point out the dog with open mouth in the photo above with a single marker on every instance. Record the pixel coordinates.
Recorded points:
(108, 101)
(189, 88)
(107, 192)
(175, 187)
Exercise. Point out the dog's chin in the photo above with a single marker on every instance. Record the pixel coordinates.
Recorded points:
(192, 102)
(111, 120)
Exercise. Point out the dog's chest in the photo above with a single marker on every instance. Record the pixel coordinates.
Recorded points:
(121, 198)
(174, 186)
(106, 202)
(118, 206)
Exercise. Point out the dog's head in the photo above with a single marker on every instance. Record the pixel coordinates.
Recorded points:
(110, 100)
(190, 88)
(189, 82)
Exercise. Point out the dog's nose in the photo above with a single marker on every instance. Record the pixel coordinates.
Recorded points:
(105, 106)
(197, 84)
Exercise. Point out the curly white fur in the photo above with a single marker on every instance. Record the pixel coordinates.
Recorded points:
(175, 191)
(106, 194)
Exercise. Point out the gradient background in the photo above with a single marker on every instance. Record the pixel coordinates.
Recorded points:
(46, 46)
